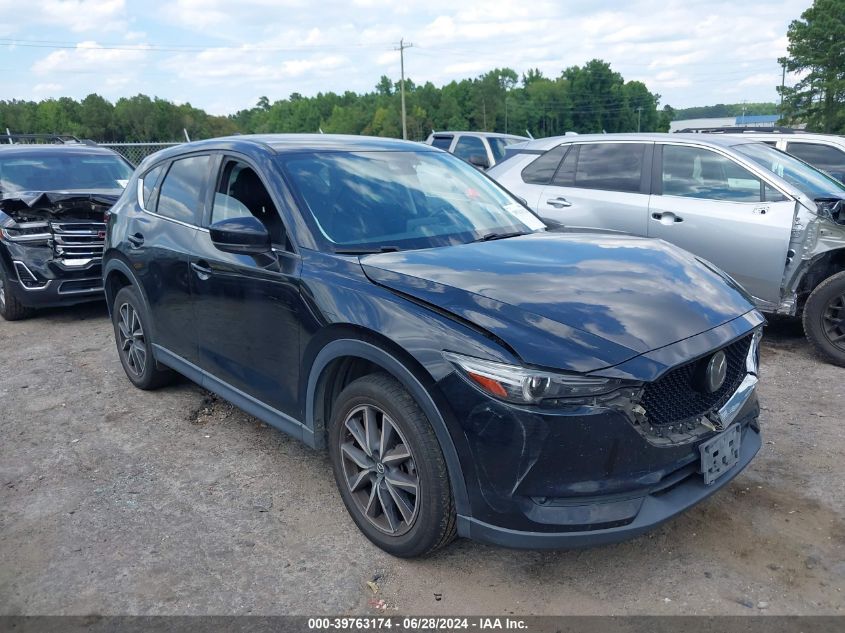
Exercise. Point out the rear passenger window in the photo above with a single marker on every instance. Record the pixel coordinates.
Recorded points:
(469, 146)
(181, 195)
(694, 172)
(540, 171)
(565, 176)
(149, 182)
(442, 142)
(610, 166)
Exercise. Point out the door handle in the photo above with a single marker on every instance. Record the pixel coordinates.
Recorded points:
(136, 241)
(202, 270)
(667, 218)
(558, 203)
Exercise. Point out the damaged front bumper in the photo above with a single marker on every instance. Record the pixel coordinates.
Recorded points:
(593, 475)
(52, 245)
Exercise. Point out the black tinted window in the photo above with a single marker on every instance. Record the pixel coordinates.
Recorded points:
(470, 146)
(181, 191)
(821, 156)
(610, 166)
(565, 176)
(149, 181)
(442, 142)
(540, 171)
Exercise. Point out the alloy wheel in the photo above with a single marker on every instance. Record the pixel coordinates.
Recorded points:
(133, 345)
(380, 470)
(834, 321)
(2, 293)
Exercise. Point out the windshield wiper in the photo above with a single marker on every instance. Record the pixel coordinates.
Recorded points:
(366, 251)
(500, 236)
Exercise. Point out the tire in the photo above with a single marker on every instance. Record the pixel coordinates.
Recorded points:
(134, 347)
(824, 319)
(10, 308)
(384, 477)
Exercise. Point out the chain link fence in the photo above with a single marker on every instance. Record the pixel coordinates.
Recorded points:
(136, 152)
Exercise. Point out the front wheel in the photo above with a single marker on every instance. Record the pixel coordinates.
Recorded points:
(132, 335)
(10, 308)
(824, 319)
(390, 469)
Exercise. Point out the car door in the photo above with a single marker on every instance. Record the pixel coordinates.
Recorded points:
(160, 242)
(248, 306)
(600, 185)
(709, 204)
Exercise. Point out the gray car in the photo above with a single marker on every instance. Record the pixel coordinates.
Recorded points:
(772, 222)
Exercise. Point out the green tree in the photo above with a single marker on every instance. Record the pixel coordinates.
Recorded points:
(817, 49)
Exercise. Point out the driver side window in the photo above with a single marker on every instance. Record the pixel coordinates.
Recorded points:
(240, 193)
(693, 172)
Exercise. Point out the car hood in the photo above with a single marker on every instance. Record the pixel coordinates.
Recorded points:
(570, 301)
(48, 205)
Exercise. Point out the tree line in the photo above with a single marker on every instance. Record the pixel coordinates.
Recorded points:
(589, 98)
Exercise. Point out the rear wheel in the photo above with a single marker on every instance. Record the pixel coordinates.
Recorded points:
(131, 333)
(824, 319)
(390, 469)
(10, 308)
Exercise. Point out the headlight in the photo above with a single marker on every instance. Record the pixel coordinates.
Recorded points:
(528, 386)
(30, 233)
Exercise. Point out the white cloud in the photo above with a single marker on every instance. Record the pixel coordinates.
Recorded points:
(221, 54)
(89, 57)
(78, 16)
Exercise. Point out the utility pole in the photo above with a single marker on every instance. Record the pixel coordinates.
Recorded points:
(506, 114)
(401, 49)
(782, 85)
(639, 115)
(484, 111)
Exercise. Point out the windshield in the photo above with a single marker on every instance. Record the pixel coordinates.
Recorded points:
(797, 173)
(62, 172)
(373, 201)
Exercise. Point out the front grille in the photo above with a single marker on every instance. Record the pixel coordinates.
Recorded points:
(673, 398)
(78, 240)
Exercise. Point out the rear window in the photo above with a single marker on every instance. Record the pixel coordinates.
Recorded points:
(540, 171)
(610, 166)
(442, 142)
(182, 190)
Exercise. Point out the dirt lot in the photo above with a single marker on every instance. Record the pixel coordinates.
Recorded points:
(118, 501)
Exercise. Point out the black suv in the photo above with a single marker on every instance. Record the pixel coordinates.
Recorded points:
(468, 371)
(53, 200)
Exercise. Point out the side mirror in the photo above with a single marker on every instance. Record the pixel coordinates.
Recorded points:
(242, 236)
(479, 160)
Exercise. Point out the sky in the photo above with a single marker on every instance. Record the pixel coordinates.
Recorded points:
(223, 56)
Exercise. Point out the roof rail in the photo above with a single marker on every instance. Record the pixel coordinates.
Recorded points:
(31, 139)
(740, 130)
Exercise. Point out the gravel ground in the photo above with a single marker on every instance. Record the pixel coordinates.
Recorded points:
(118, 501)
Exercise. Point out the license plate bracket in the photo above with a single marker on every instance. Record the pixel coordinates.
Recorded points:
(719, 454)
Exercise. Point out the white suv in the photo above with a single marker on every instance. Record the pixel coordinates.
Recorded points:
(482, 149)
(822, 151)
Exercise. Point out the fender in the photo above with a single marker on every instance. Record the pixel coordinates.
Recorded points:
(354, 347)
(115, 263)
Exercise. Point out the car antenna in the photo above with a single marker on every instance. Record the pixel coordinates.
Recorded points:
(530, 135)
